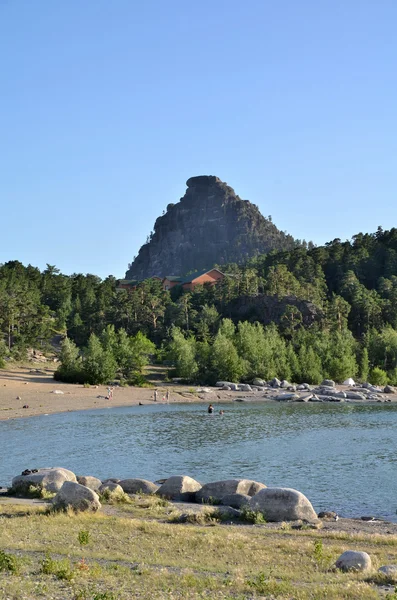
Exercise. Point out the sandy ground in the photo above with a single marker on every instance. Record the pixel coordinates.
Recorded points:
(34, 386)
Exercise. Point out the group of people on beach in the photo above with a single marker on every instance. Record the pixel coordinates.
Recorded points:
(166, 396)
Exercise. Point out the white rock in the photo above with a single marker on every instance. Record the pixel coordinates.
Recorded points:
(77, 497)
(283, 504)
(354, 561)
(57, 392)
(91, 482)
(349, 381)
(51, 479)
(389, 570)
(138, 486)
(216, 490)
(179, 487)
(113, 488)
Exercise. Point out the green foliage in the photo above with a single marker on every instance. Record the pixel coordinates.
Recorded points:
(83, 537)
(62, 569)
(9, 563)
(378, 376)
(252, 516)
(333, 313)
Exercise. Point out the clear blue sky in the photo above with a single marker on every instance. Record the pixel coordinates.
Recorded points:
(108, 107)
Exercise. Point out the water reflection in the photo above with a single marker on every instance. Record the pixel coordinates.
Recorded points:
(342, 456)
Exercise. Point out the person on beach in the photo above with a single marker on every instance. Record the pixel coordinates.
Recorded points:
(155, 396)
(210, 409)
(108, 396)
(168, 395)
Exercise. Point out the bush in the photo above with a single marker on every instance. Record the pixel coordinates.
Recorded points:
(9, 563)
(378, 376)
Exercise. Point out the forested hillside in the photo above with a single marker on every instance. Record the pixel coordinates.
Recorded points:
(301, 315)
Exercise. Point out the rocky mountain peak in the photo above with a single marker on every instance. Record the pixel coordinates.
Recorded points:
(209, 225)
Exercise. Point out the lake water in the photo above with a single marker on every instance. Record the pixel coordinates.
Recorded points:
(341, 456)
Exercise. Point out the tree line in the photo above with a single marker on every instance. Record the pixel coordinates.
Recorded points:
(352, 285)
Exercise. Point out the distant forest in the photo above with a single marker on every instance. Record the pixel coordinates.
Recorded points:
(335, 315)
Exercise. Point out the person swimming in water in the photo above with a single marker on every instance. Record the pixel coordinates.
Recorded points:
(210, 409)
(221, 412)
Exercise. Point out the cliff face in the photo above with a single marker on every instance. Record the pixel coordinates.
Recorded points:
(209, 225)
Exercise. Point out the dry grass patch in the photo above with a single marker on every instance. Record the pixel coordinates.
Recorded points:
(85, 555)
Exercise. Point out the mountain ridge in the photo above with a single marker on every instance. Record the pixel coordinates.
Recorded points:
(209, 225)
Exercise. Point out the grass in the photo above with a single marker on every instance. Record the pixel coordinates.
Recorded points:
(131, 551)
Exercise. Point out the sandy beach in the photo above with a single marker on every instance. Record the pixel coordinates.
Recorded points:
(35, 387)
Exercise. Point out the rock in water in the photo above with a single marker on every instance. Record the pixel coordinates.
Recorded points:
(76, 496)
(179, 487)
(51, 479)
(354, 561)
(283, 504)
(210, 225)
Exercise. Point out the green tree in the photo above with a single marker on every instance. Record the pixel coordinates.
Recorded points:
(99, 365)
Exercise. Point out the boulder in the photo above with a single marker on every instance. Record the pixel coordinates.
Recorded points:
(285, 384)
(91, 482)
(179, 487)
(51, 479)
(113, 488)
(388, 389)
(304, 398)
(389, 571)
(236, 500)
(244, 387)
(349, 381)
(354, 561)
(216, 490)
(283, 504)
(138, 486)
(221, 384)
(328, 383)
(275, 382)
(355, 396)
(259, 382)
(111, 480)
(76, 496)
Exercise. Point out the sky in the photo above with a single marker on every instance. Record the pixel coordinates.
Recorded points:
(107, 108)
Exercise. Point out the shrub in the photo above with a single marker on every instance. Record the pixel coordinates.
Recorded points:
(378, 376)
(9, 563)
(252, 516)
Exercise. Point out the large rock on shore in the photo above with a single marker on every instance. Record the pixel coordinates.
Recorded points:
(111, 488)
(283, 504)
(76, 496)
(216, 490)
(354, 561)
(138, 486)
(180, 488)
(91, 482)
(236, 500)
(50, 479)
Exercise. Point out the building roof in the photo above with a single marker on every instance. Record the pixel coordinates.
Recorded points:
(198, 274)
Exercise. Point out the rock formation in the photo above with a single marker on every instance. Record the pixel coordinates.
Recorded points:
(209, 225)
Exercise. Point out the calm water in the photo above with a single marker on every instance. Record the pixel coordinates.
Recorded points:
(343, 457)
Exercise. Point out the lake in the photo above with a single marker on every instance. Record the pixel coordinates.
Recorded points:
(341, 456)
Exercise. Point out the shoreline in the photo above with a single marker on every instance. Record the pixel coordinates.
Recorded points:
(35, 387)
